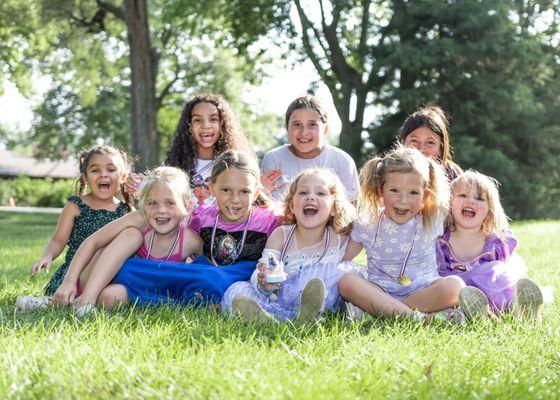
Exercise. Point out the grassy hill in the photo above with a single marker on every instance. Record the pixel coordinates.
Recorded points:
(186, 353)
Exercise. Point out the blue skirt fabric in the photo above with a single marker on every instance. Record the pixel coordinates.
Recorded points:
(198, 283)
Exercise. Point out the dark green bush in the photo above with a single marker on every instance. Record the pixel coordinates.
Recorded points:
(30, 192)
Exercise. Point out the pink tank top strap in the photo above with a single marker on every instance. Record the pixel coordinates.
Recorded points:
(143, 250)
(178, 256)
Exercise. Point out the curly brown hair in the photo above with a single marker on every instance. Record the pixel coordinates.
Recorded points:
(183, 152)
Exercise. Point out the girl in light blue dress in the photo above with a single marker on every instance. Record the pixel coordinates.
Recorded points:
(309, 247)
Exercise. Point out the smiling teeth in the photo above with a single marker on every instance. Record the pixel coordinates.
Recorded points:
(310, 210)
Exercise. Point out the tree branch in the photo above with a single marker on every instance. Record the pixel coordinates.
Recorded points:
(305, 25)
(343, 71)
(362, 44)
(116, 11)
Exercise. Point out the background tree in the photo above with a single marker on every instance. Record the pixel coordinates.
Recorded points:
(108, 59)
(493, 66)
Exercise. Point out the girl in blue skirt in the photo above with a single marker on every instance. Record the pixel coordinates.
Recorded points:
(158, 231)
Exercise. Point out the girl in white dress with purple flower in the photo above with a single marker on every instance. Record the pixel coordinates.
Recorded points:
(310, 246)
(405, 198)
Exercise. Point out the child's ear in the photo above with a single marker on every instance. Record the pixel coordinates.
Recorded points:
(83, 178)
(326, 129)
(211, 189)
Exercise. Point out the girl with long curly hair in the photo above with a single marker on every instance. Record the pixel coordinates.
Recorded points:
(207, 128)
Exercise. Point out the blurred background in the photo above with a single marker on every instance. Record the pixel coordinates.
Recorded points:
(68, 69)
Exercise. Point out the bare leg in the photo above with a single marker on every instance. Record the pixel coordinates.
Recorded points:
(369, 297)
(108, 263)
(441, 294)
(113, 295)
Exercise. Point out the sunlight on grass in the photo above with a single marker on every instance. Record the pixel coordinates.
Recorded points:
(186, 353)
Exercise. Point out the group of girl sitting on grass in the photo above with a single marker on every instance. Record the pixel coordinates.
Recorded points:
(264, 262)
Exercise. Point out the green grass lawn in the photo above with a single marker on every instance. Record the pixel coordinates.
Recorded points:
(187, 353)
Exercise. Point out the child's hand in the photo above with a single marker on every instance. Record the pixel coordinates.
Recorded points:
(261, 277)
(65, 294)
(132, 183)
(44, 262)
(268, 179)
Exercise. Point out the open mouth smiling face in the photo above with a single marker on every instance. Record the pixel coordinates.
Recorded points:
(313, 202)
(468, 207)
(162, 211)
(104, 175)
(403, 194)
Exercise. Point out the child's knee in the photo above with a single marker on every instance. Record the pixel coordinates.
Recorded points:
(346, 284)
(451, 287)
(112, 296)
(132, 234)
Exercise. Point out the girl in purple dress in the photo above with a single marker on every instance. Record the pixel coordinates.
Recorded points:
(478, 246)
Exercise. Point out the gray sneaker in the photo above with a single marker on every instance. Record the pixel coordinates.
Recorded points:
(528, 300)
(249, 310)
(474, 303)
(312, 299)
(28, 303)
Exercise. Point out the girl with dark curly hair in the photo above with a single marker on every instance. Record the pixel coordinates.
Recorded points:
(207, 128)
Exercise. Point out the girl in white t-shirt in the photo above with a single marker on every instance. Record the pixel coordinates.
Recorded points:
(307, 126)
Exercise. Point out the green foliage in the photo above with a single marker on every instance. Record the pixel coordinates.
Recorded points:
(35, 192)
(186, 353)
(490, 67)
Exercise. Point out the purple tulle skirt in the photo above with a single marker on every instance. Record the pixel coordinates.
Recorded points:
(496, 279)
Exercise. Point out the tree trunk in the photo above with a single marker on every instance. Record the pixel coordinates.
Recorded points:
(351, 131)
(144, 138)
(351, 139)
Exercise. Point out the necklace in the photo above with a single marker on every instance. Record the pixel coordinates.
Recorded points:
(197, 179)
(326, 240)
(172, 246)
(401, 277)
(227, 245)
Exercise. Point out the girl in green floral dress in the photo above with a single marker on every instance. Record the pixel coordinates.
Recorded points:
(103, 170)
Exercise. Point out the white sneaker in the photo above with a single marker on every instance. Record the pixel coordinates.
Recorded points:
(528, 300)
(312, 299)
(353, 313)
(249, 310)
(474, 304)
(28, 303)
(85, 311)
